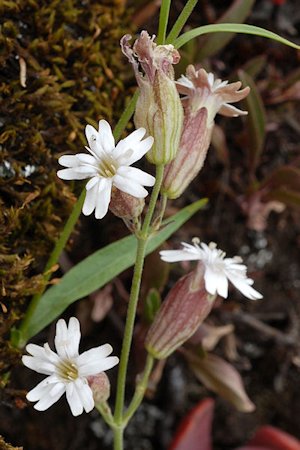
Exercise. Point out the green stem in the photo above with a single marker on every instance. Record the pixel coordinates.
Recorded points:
(153, 200)
(163, 204)
(118, 438)
(163, 21)
(140, 390)
(181, 20)
(106, 414)
(133, 301)
(134, 295)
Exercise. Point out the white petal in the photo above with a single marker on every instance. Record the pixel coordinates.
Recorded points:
(74, 336)
(94, 360)
(42, 352)
(210, 281)
(88, 399)
(47, 400)
(68, 161)
(58, 388)
(93, 139)
(137, 175)
(83, 158)
(63, 340)
(222, 284)
(137, 151)
(91, 197)
(94, 367)
(106, 137)
(104, 194)
(42, 389)
(91, 183)
(231, 111)
(129, 186)
(74, 399)
(243, 285)
(86, 394)
(72, 174)
(38, 365)
(128, 143)
(96, 353)
(178, 255)
(67, 338)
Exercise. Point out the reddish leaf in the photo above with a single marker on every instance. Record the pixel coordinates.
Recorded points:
(194, 432)
(274, 439)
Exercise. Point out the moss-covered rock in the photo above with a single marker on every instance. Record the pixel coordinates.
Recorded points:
(60, 68)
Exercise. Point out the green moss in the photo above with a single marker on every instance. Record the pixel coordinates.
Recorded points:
(61, 66)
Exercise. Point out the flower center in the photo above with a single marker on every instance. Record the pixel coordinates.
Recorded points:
(68, 370)
(107, 167)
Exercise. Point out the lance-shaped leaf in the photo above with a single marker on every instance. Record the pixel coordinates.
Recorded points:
(94, 272)
(237, 13)
(222, 378)
(256, 120)
(194, 432)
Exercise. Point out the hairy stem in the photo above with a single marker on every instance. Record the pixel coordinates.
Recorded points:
(133, 301)
(140, 390)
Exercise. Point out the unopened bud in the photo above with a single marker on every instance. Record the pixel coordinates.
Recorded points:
(124, 205)
(158, 108)
(192, 152)
(184, 309)
(100, 386)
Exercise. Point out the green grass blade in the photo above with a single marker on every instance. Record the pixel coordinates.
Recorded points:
(232, 28)
(181, 21)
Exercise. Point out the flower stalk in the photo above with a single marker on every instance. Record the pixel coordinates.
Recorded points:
(131, 312)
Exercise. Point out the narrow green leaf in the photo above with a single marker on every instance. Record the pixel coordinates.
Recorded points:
(181, 20)
(163, 21)
(256, 120)
(237, 13)
(232, 28)
(95, 271)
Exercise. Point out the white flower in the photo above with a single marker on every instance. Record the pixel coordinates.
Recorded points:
(67, 370)
(108, 165)
(202, 90)
(218, 269)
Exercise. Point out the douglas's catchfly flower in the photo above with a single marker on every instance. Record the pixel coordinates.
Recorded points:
(108, 165)
(66, 370)
(204, 97)
(217, 268)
